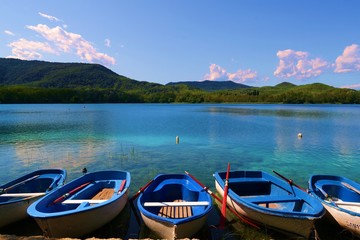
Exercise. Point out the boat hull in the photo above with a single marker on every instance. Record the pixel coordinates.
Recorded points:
(271, 201)
(180, 223)
(14, 209)
(340, 197)
(81, 223)
(167, 230)
(11, 213)
(301, 227)
(83, 205)
(344, 219)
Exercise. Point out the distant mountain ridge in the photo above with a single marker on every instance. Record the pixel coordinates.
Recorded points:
(285, 85)
(211, 86)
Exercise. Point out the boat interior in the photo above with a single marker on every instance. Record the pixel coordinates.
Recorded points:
(98, 190)
(266, 194)
(338, 190)
(41, 183)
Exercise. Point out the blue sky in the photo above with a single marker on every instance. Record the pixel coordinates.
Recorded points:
(254, 42)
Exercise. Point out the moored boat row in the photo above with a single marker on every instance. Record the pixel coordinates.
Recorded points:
(177, 205)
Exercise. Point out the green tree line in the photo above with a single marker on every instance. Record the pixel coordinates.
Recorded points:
(178, 94)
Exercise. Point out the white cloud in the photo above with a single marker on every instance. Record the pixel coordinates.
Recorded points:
(349, 61)
(9, 33)
(241, 76)
(24, 49)
(107, 42)
(59, 41)
(297, 64)
(51, 18)
(218, 73)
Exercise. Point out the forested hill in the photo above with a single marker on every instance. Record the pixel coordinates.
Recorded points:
(46, 82)
(211, 85)
(62, 75)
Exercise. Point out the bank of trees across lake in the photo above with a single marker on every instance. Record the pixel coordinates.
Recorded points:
(179, 94)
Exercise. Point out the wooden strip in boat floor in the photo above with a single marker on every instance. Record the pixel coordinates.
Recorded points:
(181, 212)
(168, 212)
(188, 210)
(176, 211)
(161, 212)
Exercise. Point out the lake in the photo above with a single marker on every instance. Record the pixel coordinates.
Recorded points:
(141, 138)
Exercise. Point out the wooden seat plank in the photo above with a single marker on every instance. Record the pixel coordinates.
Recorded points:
(104, 194)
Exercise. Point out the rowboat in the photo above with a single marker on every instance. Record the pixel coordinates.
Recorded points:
(174, 206)
(270, 201)
(341, 198)
(82, 205)
(17, 195)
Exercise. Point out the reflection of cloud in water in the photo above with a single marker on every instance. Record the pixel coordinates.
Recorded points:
(29, 152)
(71, 156)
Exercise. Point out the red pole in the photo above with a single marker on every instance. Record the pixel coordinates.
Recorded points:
(134, 197)
(60, 199)
(223, 209)
(122, 186)
(141, 190)
(290, 181)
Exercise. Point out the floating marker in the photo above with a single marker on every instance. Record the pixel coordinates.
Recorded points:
(177, 139)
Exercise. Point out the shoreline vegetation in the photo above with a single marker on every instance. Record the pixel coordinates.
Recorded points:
(307, 94)
(46, 82)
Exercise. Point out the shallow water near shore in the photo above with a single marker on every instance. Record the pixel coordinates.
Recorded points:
(141, 139)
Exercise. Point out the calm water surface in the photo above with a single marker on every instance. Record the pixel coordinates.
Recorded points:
(140, 138)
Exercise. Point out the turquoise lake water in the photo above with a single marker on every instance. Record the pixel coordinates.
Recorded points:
(140, 138)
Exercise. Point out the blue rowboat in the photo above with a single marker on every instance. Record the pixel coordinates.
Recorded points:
(17, 195)
(174, 206)
(271, 201)
(341, 198)
(82, 205)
